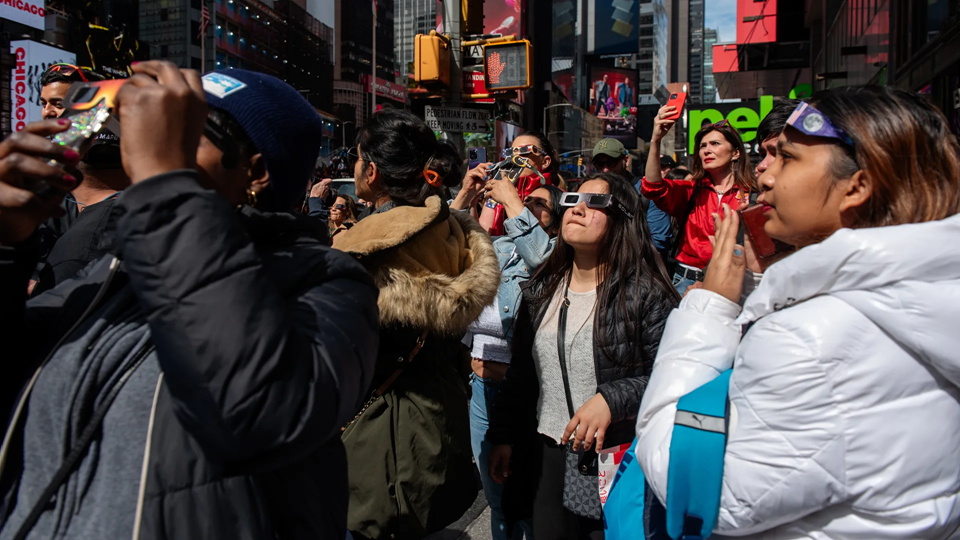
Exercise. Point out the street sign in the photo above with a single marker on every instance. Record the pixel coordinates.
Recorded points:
(457, 120)
(508, 65)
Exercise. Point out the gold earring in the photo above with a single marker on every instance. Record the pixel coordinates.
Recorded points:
(251, 197)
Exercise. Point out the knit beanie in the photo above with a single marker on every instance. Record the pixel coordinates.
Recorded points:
(283, 126)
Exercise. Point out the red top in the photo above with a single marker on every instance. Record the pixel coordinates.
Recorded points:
(673, 197)
(525, 186)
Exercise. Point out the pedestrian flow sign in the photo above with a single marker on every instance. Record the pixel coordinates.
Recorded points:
(457, 119)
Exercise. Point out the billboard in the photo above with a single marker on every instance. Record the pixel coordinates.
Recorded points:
(499, 17)
(28, 12)
(616, 28)
(109, 51)
(613, 99)
(32, 59)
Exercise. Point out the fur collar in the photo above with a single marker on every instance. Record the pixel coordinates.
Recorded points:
(435, 273)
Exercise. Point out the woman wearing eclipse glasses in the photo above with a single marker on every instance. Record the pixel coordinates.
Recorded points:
(586, 337)
(721, 175)
(843, 411)
(530, 162)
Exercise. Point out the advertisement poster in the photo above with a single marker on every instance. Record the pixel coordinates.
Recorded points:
(27, 12)
(32, 59)
(616, 26)
(109, 51)
(499, 17)
(613, 99)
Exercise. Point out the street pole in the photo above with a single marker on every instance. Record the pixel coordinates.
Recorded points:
(343, 125)
(453, 21)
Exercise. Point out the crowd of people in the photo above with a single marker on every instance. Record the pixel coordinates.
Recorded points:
(204, 340)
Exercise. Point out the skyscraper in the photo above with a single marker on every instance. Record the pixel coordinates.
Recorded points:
(696, 56)
(411, 17)
(709, 84)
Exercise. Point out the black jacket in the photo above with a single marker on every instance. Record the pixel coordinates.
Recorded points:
(78, 246)
(266, 340)
(636, 338)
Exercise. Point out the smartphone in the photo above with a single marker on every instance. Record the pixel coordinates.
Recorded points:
(476, 156)
(752, 220)
(678, 100)
(88, 105)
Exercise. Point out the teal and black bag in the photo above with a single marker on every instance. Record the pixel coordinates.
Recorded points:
(694, 477)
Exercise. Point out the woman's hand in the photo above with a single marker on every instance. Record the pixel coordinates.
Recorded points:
(660, 124)
(589, 424)
(162, 111)
(728, 265)
(471, 188)
(500, 462)
(505, 193)
(23, 158)
(322, 188)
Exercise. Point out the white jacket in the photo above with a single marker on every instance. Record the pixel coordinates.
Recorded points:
(845, 418)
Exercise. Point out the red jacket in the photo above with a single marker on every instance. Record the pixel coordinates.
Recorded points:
(525, 186)
(673, 197)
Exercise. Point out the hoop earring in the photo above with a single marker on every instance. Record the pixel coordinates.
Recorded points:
(251, 198)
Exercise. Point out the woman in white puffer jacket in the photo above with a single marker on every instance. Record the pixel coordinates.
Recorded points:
(845, 393)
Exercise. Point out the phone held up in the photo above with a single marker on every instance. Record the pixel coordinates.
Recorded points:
(476, 156)
(752, 220)
(89, 106)
(678, 100)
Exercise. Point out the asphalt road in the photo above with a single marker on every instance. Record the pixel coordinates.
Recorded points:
(473, 525)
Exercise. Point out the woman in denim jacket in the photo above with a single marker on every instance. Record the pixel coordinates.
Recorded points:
(531, 228)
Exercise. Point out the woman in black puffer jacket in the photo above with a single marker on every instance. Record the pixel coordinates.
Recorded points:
(605, 296)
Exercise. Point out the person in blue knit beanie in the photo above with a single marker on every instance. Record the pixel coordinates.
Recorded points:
(261, 142)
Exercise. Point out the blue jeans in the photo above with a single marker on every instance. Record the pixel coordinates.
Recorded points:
(481, 405)
(681, 283)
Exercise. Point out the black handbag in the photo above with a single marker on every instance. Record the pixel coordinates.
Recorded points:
(581, 492)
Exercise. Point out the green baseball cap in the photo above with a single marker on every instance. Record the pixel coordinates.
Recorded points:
(610, 148)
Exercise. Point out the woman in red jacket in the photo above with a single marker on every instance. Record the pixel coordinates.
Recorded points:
(721, 175)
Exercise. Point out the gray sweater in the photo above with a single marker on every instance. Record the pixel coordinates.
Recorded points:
(552, 411)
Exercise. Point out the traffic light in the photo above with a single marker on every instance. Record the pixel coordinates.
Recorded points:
(471, 12)
(508, 65)
(431, 59)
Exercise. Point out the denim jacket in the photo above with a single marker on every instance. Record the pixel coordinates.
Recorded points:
(520, 251)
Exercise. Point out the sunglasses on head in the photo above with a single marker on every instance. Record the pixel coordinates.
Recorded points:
(68, 70)
(598, 201)
(521, 151)
(722, 123)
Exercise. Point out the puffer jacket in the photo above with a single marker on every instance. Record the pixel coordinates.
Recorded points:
(844, 398)
(266, 342)
(514, 418)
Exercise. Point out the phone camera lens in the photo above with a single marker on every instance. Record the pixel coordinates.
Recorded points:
(473, 154)
(673, 96)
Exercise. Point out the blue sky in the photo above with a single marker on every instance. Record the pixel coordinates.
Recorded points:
(722, 15)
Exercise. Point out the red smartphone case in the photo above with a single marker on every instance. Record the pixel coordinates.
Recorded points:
(679, 102)
(753, 220)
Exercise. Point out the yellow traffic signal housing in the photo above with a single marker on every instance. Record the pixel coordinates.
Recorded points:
(508, 65)
(431, 59)
(471, 12)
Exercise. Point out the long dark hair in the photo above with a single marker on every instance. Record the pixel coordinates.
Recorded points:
(742, 172)
(403, 146)
(628, 258)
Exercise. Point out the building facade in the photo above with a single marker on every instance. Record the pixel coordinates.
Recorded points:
(695, 71)
(279, 38)
(411, 17)
(709, 83)
(352, 54)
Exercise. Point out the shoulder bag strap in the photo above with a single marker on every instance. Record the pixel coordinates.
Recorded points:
(562, 346)
(695, 473)
(387, 384)
(80, 447)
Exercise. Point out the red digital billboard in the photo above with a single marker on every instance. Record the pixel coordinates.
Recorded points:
(761, 21)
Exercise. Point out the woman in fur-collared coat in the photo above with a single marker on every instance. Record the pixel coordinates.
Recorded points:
(408, 451)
